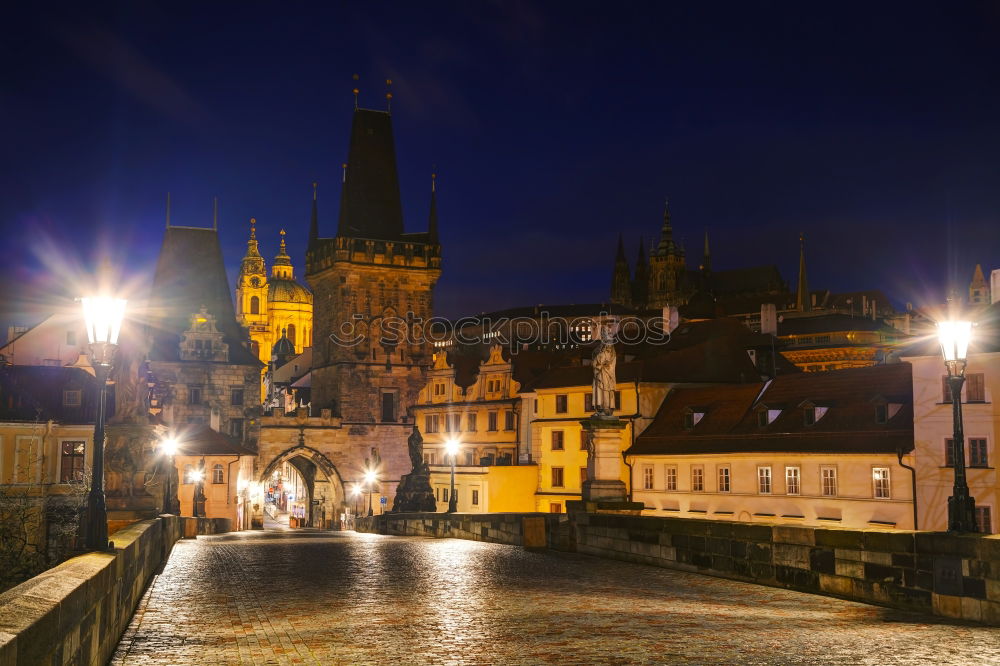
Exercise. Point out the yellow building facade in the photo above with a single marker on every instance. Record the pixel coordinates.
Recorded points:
(494, 489)
(269, 306)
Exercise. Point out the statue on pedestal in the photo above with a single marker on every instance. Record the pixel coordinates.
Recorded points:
(414, 493)
(604, 361)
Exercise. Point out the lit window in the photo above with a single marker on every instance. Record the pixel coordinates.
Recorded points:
(470, 422)
(491, 421)
(977, 453)
(697, 479)
(764, 480)
(71, 464)
(975, 388)
(828, 476)
(72, 397)
(880, 482)
(557, 440)
(724, 479)
(647, 477)
(671, 478)
(792, 486)
(218, 476)
(561, 404)
(557, 477)
(475, 497)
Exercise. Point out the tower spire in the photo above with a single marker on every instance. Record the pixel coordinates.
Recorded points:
(356, 91)
(168, 210)
(432, 222)
(388, 94)
(803, 300)
(706, 258)
(621, 278)
(667, 245)
(314, 221)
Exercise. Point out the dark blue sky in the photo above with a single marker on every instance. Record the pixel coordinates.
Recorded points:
(872, 127)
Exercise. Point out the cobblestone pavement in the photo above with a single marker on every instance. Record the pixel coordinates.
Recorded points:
(345, 598)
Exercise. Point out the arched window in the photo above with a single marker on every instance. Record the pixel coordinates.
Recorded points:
(187, 473)
(254, 305)
(291, 333)
(217, 475)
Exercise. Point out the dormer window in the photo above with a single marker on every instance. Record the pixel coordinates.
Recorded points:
(693, 416)
(811, 412)
(886, 409)
(881, 413)
(809, 416)
(766, 416)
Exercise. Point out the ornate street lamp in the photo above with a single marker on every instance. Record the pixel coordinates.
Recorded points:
(197, 477)
(103, 318)
(168, 447)
(954, 337)
(356, 493)
(451, 450)
(370, 482)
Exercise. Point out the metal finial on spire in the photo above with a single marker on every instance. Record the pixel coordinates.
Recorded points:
(215, 213)
(253, 228)
(433, 182)
(282, 245)
(356, 91)
(314, 190)
(168, 210)
(388, 94)
(344, 177)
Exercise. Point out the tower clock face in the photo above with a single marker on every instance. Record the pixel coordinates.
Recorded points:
(254, 282)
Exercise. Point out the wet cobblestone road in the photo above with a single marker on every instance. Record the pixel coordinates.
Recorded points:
(346, 598)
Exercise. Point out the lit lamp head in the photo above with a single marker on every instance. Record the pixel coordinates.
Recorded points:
(451, 447)
(954, 337)
(168, 446)
(370, 477)
(355, 490)
(103, 318)
(196, 476)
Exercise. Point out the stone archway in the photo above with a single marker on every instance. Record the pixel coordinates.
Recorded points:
(325, 486)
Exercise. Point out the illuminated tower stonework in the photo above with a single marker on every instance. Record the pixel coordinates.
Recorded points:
(667, 267)
(373, 286)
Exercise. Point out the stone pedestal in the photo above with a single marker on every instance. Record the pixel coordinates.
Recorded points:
(414, 493)
(604, 460)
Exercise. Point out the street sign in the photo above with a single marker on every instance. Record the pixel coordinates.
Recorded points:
(383, 500)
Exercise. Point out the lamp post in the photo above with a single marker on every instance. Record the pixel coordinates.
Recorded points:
(370, 482)
(103, 319)
(451, 449)
(169, 449)
(197, 476)
(954, 337)
(355, 493)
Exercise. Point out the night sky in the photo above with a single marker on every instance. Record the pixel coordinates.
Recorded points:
(874, 128)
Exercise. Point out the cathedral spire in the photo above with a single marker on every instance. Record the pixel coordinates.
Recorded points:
(803, 299)
(370, 205)
(253, 263)
(314, 221)
(640, 286)
(621, 279)
(432, 222)
(706, 258)
(666, 245)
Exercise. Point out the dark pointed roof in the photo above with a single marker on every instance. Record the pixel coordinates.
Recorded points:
(190, 274)
(370, 206)
(667, 245)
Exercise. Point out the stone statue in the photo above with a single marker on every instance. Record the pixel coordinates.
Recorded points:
(604, 361)
(415, 443)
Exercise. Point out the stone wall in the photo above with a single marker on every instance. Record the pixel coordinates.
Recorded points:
(506, 528)
(932, 572)
(76, 612)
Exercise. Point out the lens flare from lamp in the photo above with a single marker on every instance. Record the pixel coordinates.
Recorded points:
(169, 446)
(451, 447)
(370, 477)
(196, 475)
(103, 317)
(954, 337)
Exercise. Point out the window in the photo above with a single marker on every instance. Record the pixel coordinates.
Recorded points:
(475, 497)
(557, 440)
(194, 395)
(218, 475)
(431, 423)
(561, 404)
(254, 305)
(588, 402)
(828, 477)
(188, 471)
(618, 399)
(697, 479)
(535, 405)
(689, 420)
(583, 476)
(949, 452)
(71, 338)
(557, 477)
(880, 482)
(555, 507)
(584, 437)
(764, 480)
(290, 333)
(439, 388)
(388, 407)
(762, 418)
(71, 464)
(647, 477)
(508, 420)
(429, 458)
(809, 416)
(470, 422)
(491, 421)
(444, 494)
(881, 413)
(72, 397)
(236, 428)
(236, 397)
(984, 522)
(671, 478)
(977, 453)
(792, 485)
(724, 479)
(975, 388)
(453, 422)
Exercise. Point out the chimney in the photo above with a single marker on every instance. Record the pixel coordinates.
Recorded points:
(769, 319)
(995, 286)
(671, 317)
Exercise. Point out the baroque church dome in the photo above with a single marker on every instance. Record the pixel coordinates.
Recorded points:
(287, 291)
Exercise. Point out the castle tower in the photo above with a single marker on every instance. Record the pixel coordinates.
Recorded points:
(666, 267)
(621, 278)
(373, 284)
(289, 304)
(979, 292)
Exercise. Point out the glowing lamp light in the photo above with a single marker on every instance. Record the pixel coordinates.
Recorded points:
(103, 318)
(355, 490)
(196, 476)
(954, 337)
(451, 447)
(168, 446)
(370, 477)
